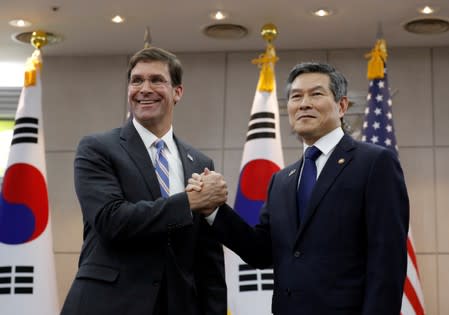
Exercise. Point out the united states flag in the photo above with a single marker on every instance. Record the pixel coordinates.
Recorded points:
(378, 128)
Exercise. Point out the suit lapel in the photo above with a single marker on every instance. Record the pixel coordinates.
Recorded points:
(291, 185)
(187, 159)
(338, 160)
(133, 144)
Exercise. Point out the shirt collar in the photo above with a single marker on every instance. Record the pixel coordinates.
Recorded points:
(148, 137)
(328, 142)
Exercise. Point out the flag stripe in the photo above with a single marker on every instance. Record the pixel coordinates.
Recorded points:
(5, 280)
(411, 253)
(266, 286)
(243, 267)
(248, 277)
(262, 115)
(412, 297)
(407, 308)
(27, 120)
(24, 140)
(23, 279)
(260, 135)
(25, 130)
(24, 269)
(5, 290)
(249, 287)
(23, 290)
(267, 276)
(261, 125)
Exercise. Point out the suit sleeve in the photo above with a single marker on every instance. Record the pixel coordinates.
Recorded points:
(387, 218)
(252, 244)
(108, 211)
(210, 271)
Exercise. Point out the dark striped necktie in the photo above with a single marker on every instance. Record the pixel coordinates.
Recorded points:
(308, 179)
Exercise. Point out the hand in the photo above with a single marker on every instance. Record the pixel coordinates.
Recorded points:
(195, 183)
(206, 191)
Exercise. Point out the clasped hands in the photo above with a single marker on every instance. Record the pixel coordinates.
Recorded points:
(206, 191)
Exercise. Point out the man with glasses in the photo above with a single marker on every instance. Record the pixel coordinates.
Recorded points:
(145, 251)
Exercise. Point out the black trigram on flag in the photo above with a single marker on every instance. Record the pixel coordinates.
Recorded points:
(25, 130)
(251, 279)
(16, 279)
(261, 125)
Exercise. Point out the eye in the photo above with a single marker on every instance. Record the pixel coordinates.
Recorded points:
(158, 80)
(136, 81)
(317, 93)
(295, 96)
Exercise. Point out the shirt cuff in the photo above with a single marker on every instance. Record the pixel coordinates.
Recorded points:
(211, 217)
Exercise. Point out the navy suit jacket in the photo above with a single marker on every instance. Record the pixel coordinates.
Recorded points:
(349, 254)
(139, 247)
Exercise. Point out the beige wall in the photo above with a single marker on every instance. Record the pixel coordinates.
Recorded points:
(88, 94)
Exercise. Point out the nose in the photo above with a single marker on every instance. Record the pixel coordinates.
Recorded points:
(305, 102)
(146, 87)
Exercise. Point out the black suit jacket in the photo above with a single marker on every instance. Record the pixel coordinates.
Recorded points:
(349, 256)
(139, 249)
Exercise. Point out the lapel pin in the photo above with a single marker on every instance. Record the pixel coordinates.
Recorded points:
(341, 161)
(189, 157)
(292, 172)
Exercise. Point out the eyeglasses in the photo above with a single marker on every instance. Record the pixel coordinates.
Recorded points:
(154, 81)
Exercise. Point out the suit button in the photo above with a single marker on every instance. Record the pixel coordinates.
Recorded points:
(297, 254)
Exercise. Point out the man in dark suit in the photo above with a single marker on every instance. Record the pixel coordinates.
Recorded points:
(144, 253)
(342, 249)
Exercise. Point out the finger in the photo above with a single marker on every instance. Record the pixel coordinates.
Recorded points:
(191, 187)
(194, 181)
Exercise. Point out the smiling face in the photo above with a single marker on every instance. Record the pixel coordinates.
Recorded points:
(152, 97)
(312, 109)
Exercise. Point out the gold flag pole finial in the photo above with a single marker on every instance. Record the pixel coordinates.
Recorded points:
(377, 56)
(38, 39)
(269, 32)
(267, 60)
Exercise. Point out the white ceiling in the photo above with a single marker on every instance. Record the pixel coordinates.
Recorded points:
(177, 25)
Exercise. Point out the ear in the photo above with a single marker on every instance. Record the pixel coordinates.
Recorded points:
(343, 105)
(178, 90)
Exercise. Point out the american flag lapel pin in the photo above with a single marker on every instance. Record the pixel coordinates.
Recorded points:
(292, 172)
(189, 157)
(341, 161)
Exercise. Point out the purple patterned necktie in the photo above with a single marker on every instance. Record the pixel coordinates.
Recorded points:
(161, 166)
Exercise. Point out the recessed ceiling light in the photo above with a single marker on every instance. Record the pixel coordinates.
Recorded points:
(26, 38)
(426, 25)
(19, 23)
(322, 12)
(118, 19)
(219, 15)
(427, 10)
(226, 31)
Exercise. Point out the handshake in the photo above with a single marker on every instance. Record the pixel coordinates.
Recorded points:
(206, 191)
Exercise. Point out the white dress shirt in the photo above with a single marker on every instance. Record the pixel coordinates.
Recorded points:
(175, 170)
(326, 144)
